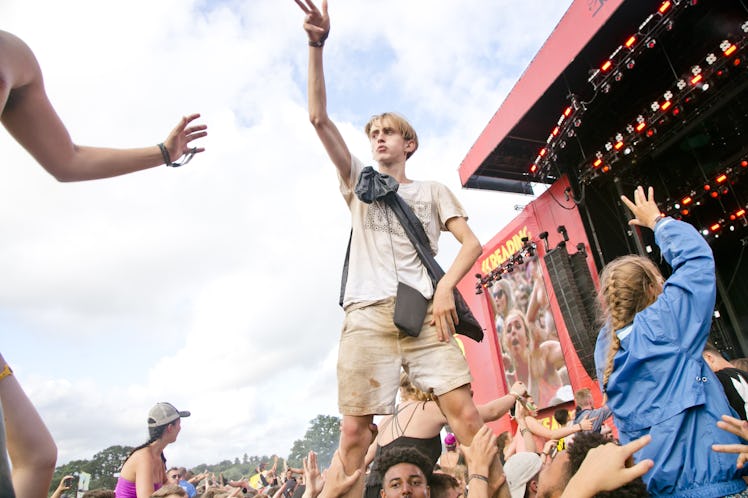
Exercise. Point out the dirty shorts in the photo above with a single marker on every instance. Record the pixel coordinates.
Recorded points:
(372, 350)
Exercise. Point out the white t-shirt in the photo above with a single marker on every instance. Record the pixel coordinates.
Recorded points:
(379, 240)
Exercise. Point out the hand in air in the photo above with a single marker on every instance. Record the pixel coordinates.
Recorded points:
(644, 208)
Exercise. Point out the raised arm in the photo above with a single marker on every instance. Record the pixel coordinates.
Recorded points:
(26, 112)
(317, 27)
(32, 451)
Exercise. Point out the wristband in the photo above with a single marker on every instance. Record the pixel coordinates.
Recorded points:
(6, 372)
(479, 477)
(167, 157)
(319, 43)
(658, 218)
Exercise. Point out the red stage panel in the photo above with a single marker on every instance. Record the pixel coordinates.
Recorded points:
(583, 19)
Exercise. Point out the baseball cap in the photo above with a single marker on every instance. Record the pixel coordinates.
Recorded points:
(164, 413)
(519, 469)
(450, 439)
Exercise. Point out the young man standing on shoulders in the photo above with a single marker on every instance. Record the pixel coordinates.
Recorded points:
(372, 348)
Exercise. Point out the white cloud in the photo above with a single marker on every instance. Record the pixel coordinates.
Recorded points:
(214, 286)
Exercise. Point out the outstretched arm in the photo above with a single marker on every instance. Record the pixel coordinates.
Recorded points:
(540, 430)
(25, 110)
(317, 27)
(495, 409)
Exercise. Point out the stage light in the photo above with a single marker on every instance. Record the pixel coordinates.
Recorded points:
(555, 131)
(608, 146)
(567, 111)
(641, 126)
(655, 106)
(724, 191)
(651, 43)
(627, 150)
(630, 42)
(606, 168)
(640, 119)
(668, 95)
(684, 212)
(664, 7)
(736, 62)
(542, 152)
(740, 213)
(666, 105)
(714, 194)
(619, 137)
(533, 168)
(597, 163)
(711, 59)
(687, 200)
(618, 145)
(696, 79)
(650, 132)
(744, 27)
(606, 65)
(696, 70)
(707, 187)
(629, 128)
(721, 178)
(681, 84)
(730, 50)
(677, 110)
(715, 227)
(705, 232)
(744, 164)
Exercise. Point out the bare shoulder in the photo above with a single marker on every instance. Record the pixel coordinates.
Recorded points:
(18, 65)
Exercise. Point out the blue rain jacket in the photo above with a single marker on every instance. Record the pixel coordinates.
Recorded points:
(660, 384)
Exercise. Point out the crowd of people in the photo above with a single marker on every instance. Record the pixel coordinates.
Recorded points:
(677, 433)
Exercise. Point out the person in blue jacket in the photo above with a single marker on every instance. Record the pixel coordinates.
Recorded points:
(649, 364)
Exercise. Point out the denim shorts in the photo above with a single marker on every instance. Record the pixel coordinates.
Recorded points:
(372, 350)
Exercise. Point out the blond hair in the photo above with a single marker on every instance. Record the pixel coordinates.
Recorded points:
(410, 391)
(627, 286)
(397, 122)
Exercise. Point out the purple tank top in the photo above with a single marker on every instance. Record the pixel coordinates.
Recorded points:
(126, 489)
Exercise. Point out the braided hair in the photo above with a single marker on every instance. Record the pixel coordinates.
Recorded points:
(627, 285)
(412, 392)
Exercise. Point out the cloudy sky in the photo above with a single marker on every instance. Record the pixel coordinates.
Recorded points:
(214, 286)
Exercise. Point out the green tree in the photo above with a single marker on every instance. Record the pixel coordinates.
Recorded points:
(102, 468)
(322, 437)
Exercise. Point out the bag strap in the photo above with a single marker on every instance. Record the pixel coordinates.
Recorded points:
(344, 276)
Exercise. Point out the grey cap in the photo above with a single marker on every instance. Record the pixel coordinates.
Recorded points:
(164, 413)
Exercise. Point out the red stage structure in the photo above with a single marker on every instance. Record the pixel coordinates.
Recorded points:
(622, 93)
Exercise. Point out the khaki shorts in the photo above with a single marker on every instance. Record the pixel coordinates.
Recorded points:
(372, 350)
